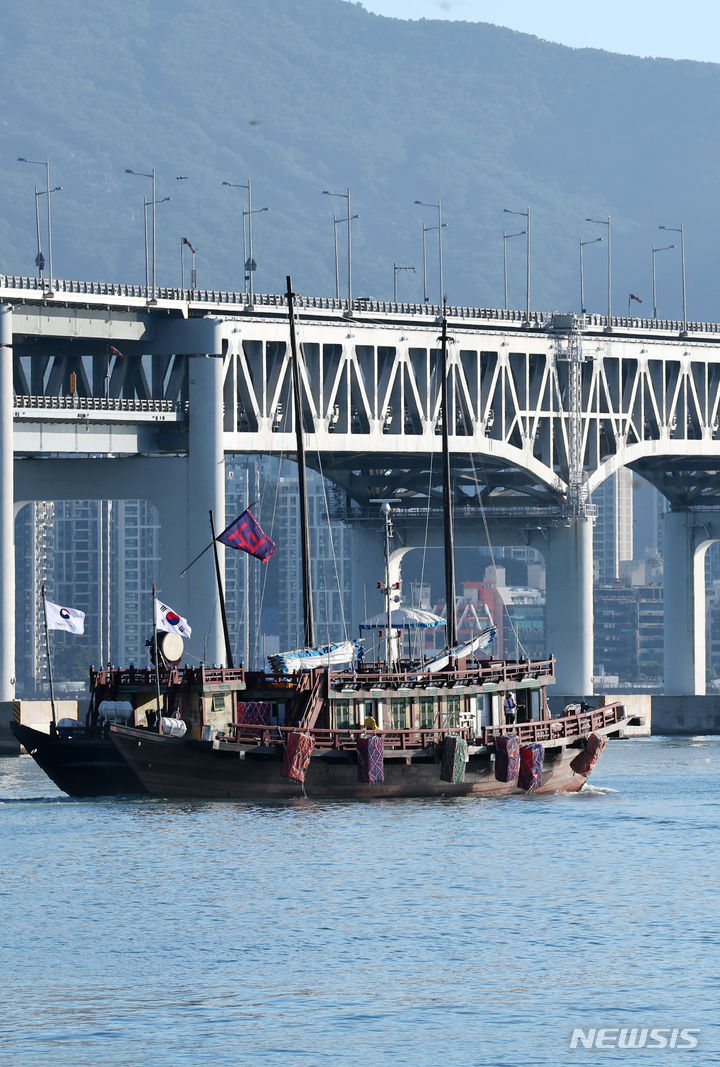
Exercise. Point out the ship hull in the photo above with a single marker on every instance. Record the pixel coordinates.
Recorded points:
(80, 765)
(171, 767)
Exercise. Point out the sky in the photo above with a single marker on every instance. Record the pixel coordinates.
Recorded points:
(686, 30)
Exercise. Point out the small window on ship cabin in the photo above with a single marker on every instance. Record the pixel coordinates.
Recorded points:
(452, 712)
(398, 714)
(428, 713)
(344, 714)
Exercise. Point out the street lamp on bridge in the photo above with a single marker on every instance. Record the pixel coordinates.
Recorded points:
(582, 273)
(46, 164)
(506, 238)
(249, 263)
(655, 250)
(440, 226)
(526, 215)
(396, 270)
(193, 271)
(607, 222)
(153, 201)
(336, 220)
(681, 230)
(146, 205)
(40, 258)
(350, 217)
(426, 229)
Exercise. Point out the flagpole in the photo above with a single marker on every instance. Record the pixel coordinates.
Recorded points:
(157, 654)
(47, 649)
(308, 617)
(221, 594)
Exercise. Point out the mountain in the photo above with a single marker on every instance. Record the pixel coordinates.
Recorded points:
(324, 95)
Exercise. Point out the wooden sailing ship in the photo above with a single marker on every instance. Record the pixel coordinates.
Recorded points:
(456, 726)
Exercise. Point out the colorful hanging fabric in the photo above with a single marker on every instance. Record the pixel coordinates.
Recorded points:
(507, 758)
(531, 762)
(371, 766)
(585, 761)
(454, 758)
(254, 712)
(298, 751)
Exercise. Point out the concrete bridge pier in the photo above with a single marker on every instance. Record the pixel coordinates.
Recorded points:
(7, 510)
(686, 540)
(569, 603)
(184, 504)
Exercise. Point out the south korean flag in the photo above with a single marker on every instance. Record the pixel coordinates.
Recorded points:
(168, 620)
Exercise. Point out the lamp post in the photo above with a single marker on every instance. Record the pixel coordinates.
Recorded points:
(396, 270)
(655, 251)
(45, 163)
(193, 272)
(40, 258)
(350, 217)
(146, 205)
(336, 220)
(681, 230)
(440, 227)
(426, 229)
(525, 215)
(153, 201)
(607, 222)
(582, 272)
(506, 238)
(249, 263)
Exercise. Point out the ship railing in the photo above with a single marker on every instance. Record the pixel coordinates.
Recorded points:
(568, 726)
(503, 673)
(347, 738)
(112, 677)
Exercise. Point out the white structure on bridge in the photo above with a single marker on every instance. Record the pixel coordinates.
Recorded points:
(107, 393)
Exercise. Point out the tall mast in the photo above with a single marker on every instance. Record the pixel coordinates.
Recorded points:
(308, 619)
(448, 540)
(388, 605)
(221, 594)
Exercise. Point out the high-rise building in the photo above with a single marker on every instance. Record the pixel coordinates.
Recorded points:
(613, 536)
(103, 557)
(330, 541)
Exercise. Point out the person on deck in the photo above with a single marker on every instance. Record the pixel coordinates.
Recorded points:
(510, 709)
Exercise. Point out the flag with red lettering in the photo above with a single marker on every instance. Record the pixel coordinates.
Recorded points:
(246, 534)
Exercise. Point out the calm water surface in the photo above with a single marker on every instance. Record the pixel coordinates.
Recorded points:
(459, 932)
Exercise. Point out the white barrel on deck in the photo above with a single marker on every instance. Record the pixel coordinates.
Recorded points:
(172, 727)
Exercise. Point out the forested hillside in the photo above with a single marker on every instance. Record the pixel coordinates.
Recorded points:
(321, 94)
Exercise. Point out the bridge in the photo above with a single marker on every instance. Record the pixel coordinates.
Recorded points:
(117, 391)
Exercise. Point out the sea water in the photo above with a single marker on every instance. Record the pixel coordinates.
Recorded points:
(421, 932)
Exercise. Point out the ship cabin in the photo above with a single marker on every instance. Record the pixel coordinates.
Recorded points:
(206, 699)
(410, 708)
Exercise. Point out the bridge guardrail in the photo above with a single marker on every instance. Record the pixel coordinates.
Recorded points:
(92, 403)
(230, 298)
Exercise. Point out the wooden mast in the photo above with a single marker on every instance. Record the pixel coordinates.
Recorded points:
(448, 540)
(221, 594)
(308, 618)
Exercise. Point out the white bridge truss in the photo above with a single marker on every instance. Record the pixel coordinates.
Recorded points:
(540, 413)
(539, 416)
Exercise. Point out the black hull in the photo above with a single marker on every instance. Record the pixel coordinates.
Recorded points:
(178, 767)
(81, 766)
